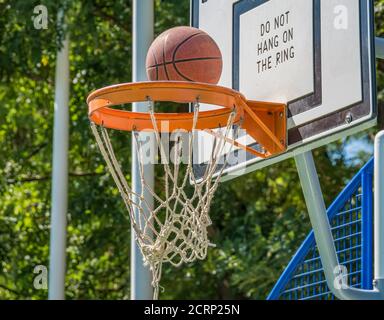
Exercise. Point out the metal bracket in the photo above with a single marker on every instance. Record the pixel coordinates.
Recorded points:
(271, 116)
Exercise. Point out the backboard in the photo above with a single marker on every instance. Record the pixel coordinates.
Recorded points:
(317, 56)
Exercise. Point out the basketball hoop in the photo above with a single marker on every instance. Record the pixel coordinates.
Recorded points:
(174, 230)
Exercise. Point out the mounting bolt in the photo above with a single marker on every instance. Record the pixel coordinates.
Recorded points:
(349, 118)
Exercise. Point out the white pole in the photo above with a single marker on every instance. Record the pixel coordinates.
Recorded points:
(143, 20)
(380, 48)
(379, 207)
(59, 177)
(317, 212)
(324, 239)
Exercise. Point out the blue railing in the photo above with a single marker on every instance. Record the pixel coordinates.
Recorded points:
(350, 217)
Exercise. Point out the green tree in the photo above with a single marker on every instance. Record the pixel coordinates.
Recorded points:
(259, 219)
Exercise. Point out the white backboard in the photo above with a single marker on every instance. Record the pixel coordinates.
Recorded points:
(317, 56)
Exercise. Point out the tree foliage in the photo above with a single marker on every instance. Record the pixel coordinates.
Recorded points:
(259, 219)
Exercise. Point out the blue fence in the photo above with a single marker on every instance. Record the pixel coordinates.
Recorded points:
(350, 216)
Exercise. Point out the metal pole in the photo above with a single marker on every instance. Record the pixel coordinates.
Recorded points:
(317, 211)
(143, 21)
(59, 177)
(379, 207)
(380, 48)
(323, 235)
(379, 192)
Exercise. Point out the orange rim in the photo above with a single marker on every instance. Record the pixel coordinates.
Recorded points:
(265, 122)
(100, 103)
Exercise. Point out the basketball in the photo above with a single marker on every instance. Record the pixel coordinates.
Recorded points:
(184, 54)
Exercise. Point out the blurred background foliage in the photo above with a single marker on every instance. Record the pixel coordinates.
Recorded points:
(259, 219)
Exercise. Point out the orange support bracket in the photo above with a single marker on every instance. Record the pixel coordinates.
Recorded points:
(267, 124)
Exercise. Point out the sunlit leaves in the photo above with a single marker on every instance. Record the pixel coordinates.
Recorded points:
(259, 220)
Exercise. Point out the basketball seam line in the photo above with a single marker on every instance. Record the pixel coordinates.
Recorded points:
(180, 74)
(183, 60)
(182, 42)
(157, 67)
(175, 52)
(164, 65)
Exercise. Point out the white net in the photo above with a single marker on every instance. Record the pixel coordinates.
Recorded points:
(174, 228)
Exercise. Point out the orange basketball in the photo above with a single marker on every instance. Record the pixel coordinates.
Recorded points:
(184, 54)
